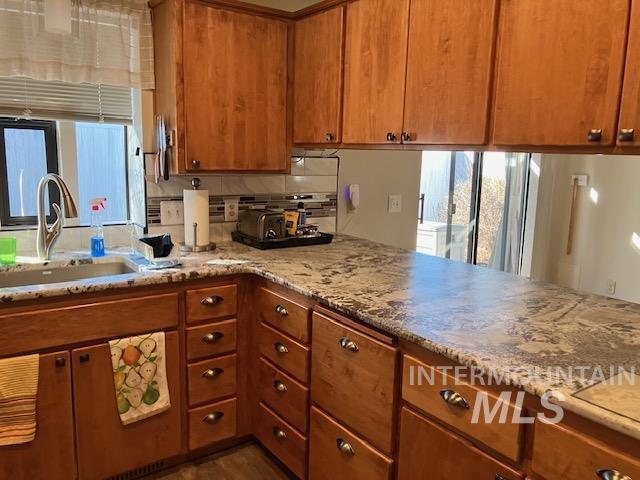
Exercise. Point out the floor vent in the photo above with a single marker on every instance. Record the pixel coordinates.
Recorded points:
(139, 472)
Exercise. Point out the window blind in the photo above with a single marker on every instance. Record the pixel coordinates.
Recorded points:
(20, 97)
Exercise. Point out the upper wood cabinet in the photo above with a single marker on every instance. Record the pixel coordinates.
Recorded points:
(559, 72)
(449, 67)
(317, 107)
(629, 125)
(375, 68)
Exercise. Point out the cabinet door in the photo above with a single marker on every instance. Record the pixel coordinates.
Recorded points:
(105, 446)
(51, 454)
(449, 68)
(235, 89)
(559, 71)
(428, 451)
(629, 126)
(317, 110)
(375, 68)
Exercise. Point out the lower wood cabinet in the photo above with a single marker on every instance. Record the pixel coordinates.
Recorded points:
(105, 447)
(428, 451)
(51, 454)
(212, 423)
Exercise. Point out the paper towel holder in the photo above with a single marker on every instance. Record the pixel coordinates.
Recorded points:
(195, 183)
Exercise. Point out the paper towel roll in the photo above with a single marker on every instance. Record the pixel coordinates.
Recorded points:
(196, 210)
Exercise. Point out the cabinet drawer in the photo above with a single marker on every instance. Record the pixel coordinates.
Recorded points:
(213, 302)
(353, 379)
(335, 452)
(560, 452)
(212, 379)
(284, 441)
(211, 339)
(428, 451)
(284, 314)
(287, 397)
(284, 352)
(212, 423)
(427, 395)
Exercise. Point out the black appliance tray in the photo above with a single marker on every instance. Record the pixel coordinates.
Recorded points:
(320, 239)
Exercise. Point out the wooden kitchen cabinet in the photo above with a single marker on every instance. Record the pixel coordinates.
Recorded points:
(629, 124)
(105, 447)
(449, 71)
(317, 106)
(375, 68)
(559, 72)
(51, 454)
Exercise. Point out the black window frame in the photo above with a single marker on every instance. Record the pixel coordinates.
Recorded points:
(51, 146)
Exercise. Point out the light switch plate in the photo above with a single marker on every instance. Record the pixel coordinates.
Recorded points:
(171, 213)
(231, 209)
(395, 203)
(611, 287)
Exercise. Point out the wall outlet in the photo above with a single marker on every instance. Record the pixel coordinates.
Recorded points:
(231, 209)
(171, 213)
(611, 287)
(395, 203)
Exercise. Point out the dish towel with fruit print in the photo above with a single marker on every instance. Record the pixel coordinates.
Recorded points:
(140, 376)
(18, 392)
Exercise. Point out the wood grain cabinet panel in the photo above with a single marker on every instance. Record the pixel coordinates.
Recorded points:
(284, 352)
(560, 453)
(374, 70)
(51, 454)
(235, 90)
(629, 125)
(212, 379)
(449, 69)
(319, 47)
(106, 447)
(285, 315)
(211, 339)
(559, 72)
(428, 451)
(212, 423)
(212, 302)
(353, 378)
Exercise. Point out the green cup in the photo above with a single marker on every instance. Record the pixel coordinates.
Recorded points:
(8, 250)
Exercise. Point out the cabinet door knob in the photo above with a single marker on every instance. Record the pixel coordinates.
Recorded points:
(406, 137)
(609, 474)
(279, 386)
(345, 447)
(212, 300)
(595, 135)
(454, 399)
(626, 135)
(281, 310)
(195, 163)
(212, 373)
(84, 358)
(60, 362)
(391, 137)
(212, 337)
(279, 433)
(213, 417)
(280, 348)
(348, 344)
(329, 137)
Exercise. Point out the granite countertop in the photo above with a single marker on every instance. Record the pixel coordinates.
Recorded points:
(473, 315)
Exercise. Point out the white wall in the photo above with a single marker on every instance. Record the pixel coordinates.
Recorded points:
(608, 215)
(380, 174)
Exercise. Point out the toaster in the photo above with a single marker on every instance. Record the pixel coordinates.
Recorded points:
(262, 224)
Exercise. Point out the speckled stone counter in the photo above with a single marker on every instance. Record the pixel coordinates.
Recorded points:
(473, 315)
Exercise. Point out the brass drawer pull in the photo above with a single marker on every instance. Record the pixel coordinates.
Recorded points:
(212, 373)
(213, 417)
(281, 310)
(212, 337)
(348, 344)
(279, 386)
(595, 135)
(626, 135)
(279, 433)
(280, 348)
(454, 399)
(345, 447)
(609, 474)
(212, 300)
(60, 362)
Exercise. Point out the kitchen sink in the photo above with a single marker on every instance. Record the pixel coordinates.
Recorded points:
(18, 278)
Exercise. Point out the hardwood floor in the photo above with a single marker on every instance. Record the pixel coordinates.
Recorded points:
(245, 462)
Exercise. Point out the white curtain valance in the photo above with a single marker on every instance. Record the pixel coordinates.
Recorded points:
(110, 43)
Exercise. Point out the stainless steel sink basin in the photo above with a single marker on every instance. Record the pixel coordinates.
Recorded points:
(63, 273)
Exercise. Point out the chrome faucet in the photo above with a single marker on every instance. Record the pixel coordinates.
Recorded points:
(48, 236)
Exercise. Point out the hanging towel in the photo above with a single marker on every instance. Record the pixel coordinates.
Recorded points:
(140, 376)
(18, 392)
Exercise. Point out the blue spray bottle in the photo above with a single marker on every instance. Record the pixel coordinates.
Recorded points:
(97, 231)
